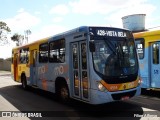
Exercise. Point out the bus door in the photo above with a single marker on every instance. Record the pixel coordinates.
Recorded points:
(155, 64)
(15, 66)
(80, 82)
(34, 72)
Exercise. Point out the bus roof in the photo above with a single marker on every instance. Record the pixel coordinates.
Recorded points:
(81, 29)
(32, 43)
(61, 35)
(146, 33)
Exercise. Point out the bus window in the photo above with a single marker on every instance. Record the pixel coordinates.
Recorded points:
(155, 49)
(75, 56)
(115, 57)
(43, 53)
(24, 55)
(57, 51)
(140, 48)
(84, 57)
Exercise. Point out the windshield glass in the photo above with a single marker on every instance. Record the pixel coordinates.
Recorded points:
(115, 56)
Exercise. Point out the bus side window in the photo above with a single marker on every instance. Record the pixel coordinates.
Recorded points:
(57, 51)
(24, 56)
(140, 47)
(84, 57)
(43, 53)
(155, 53)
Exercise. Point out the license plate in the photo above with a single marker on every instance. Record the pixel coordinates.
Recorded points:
(125, 98)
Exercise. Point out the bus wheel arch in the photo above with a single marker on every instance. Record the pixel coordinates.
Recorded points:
(24, 81)
(62, 90)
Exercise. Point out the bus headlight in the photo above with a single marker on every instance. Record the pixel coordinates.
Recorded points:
(139, 81)
(101, 87)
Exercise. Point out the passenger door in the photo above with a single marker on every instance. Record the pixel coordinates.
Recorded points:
(79, 70)
(15, 62)
(155, 65)
(34, 66)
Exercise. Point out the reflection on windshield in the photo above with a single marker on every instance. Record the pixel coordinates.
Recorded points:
(115, 57)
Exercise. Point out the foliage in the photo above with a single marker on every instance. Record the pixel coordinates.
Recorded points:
(19, 39)
(4, 30)
(27, 33)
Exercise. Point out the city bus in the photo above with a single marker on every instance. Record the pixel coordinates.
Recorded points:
(95, 65)
(148, 49)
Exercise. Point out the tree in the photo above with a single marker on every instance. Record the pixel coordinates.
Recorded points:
(4, 30)
(19, 39)
(27, 33)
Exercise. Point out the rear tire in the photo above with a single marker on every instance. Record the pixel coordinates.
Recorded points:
(63, 94)
(24, 82)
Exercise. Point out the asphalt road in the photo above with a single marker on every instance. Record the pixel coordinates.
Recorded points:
(13, 98)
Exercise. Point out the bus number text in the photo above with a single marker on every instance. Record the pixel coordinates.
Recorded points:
(156, 71)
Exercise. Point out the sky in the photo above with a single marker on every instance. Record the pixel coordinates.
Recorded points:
(49, 17)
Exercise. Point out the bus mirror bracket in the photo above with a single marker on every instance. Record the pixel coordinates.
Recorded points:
(92, 46)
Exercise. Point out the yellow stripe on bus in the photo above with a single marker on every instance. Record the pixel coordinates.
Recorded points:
(119, 87)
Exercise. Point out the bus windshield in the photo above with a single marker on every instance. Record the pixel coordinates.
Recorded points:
(114, 56)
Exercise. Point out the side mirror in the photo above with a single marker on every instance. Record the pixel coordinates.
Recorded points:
(92, 46)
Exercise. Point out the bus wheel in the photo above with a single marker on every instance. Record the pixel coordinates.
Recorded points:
(24, 82)
(63, 94)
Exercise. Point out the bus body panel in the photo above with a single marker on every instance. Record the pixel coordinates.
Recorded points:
(76, 70)
(149, 64)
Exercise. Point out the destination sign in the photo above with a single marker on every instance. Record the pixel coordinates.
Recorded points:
(109, 32)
